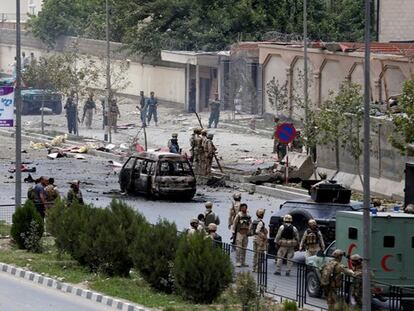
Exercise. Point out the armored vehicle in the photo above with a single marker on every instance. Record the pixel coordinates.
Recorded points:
(158, 174)
(391, 249)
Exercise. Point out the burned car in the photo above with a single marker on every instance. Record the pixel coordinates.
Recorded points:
(158, 175)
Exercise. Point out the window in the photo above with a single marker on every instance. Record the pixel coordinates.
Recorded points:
(130, 163)
(389, 241)
(353, 233)
(169, 168)
(146, 167)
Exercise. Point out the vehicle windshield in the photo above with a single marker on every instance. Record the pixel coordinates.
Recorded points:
(174, 168)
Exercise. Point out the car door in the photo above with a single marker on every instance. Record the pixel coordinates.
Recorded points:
(126, 173)
(142, 183)
(136, 175)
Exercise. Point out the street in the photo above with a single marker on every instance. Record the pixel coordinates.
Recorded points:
(17, 294)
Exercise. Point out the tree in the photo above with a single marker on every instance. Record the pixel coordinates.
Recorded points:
(403, 136)
(339, 121)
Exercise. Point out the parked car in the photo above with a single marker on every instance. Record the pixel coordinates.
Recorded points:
(158, 174)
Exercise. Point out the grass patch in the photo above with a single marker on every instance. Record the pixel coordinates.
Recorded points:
(4, 229)
(133, 288)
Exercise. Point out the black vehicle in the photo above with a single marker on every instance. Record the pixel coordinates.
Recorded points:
(303, 210)
(158, 174)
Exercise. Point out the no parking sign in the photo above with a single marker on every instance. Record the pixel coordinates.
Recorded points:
(286, 133)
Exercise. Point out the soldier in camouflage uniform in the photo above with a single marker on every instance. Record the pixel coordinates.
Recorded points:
(336, 271)
(260, 237)
(287, 239)
(356, 288)
(312, 240)
(196, 132)
(52, 193)
(195, 142)
(193, 227)
(241, 226)
(212, 234)
(209, 152)
(203, 152)
(209, 216)
(235, 208)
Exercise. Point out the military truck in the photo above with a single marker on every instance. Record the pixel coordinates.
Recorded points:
(392, 249)
(34, 99)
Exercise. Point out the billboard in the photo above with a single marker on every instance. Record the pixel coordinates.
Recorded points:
(6, 106)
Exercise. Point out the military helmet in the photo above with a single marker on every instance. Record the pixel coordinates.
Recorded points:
(237, 196)
(208, 205)
(287, 218)
(203, 132)
(260, 212)
(197, 130)
(194, 221)
(338, 253)
(174, 135)
(356, 258)
(212, 227)
(312, 222)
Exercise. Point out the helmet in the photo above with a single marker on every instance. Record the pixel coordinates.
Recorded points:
(210, 135)
(338, 253)
(208, 205)
(203, 132)
(260, 212)
(237, 196)
(356, 258)
(174, 135)
(194, 221)
(312, 222)
(287, 218)
(212, 227)
(197, 130)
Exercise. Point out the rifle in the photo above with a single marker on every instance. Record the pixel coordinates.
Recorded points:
(215, 156)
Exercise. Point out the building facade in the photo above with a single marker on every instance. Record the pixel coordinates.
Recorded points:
(395, 20)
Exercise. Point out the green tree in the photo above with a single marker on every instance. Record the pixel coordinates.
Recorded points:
(403, 136)
(339, 121)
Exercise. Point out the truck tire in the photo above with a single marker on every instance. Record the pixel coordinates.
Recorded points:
(313, 286)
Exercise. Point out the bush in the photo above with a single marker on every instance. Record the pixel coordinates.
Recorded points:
(201, 270)
(289, 305)
(246, 289)
(27, 229)
(153, 253)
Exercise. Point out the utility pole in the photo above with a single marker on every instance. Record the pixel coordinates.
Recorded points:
(366, 268)
(18, 103)
(305, 69)
(108, 126)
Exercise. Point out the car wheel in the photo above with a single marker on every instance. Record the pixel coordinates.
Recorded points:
(57, 109)
(313, 286)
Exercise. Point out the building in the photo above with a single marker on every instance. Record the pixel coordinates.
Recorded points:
(8, 9)
(395, 20)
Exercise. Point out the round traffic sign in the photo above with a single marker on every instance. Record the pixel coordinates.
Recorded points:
(286, 133)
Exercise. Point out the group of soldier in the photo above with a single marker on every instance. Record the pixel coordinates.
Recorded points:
(202, 151)
(287, 241)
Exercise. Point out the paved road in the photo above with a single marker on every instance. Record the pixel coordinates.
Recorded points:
(21, 295)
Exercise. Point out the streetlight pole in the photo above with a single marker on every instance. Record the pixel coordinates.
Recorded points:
(305, 68)
(18, 103)
(366, 268)
(108, 80)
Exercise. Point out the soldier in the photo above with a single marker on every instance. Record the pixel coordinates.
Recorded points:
(235, 208)
(152, 106)
(196, 133)
(356, 288)
(193, 226)
(88, 109)
(52, 193)
(71, 113)
(241, 225)
(209, 216)
(114, 114)
(197, 152)
(142, 108)
(201, 222)
(209, 152)
(214, 111)
(212, 234)
(203, 153)
(297, 143)
(312, 240)
(287, 239)
(74, 193)
(331, 278)
(173, 144)
(259, 232)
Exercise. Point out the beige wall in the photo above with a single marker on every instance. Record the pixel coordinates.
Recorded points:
(9, 7)
(328, 70)
(396, 20)
(167, 82)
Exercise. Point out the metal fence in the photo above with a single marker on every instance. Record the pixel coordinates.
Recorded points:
(295, 286)
(6, 215)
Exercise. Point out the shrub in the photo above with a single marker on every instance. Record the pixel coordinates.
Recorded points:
(153, 253)
(27, 228)
(201, 270)
(246, 289)
(289, 305)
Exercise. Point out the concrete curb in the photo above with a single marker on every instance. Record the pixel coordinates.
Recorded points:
(33, 277)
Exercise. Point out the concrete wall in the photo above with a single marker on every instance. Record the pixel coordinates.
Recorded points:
(26, 6)
(164, 78)
(396, 20)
